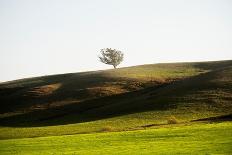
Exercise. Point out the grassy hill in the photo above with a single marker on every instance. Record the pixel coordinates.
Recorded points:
(115, 100)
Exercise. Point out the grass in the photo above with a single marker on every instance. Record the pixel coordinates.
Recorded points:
(213, 138)
(199, 96)
(120, 123)
(41, 93)
(172, 120)
(148, 109)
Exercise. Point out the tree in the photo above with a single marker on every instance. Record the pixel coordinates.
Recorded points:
(111, 57)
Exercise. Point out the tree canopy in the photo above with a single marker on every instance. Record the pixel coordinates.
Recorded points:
(111, 56)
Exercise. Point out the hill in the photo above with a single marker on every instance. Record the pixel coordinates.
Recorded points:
(114, 100)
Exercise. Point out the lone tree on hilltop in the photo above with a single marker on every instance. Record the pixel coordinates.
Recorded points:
(111, 57)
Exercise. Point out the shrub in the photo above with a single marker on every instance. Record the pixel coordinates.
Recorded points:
(172, 120)
(107, 129)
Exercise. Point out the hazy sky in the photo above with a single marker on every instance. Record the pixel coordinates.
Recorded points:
(41, 37)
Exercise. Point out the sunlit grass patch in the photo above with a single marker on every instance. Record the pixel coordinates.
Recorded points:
(213, 138)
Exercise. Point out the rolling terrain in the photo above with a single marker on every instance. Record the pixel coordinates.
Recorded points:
(155, 97)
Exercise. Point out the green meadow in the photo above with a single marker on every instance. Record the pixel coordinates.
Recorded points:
(213, 138)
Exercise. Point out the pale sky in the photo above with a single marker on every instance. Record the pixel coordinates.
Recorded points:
(43, 37)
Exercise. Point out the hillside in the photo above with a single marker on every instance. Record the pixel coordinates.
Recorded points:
(122, 99)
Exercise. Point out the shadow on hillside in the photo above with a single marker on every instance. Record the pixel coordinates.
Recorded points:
(90, 110)
(213, 65)
(215, 119)
(156, 98)
(22, 95)
(18, 95)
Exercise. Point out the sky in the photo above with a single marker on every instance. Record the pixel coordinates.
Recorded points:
(44, 37)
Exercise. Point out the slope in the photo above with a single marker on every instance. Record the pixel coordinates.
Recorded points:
(189, 91)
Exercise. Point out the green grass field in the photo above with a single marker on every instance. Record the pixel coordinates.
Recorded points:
(198, 139)
(121, 111)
